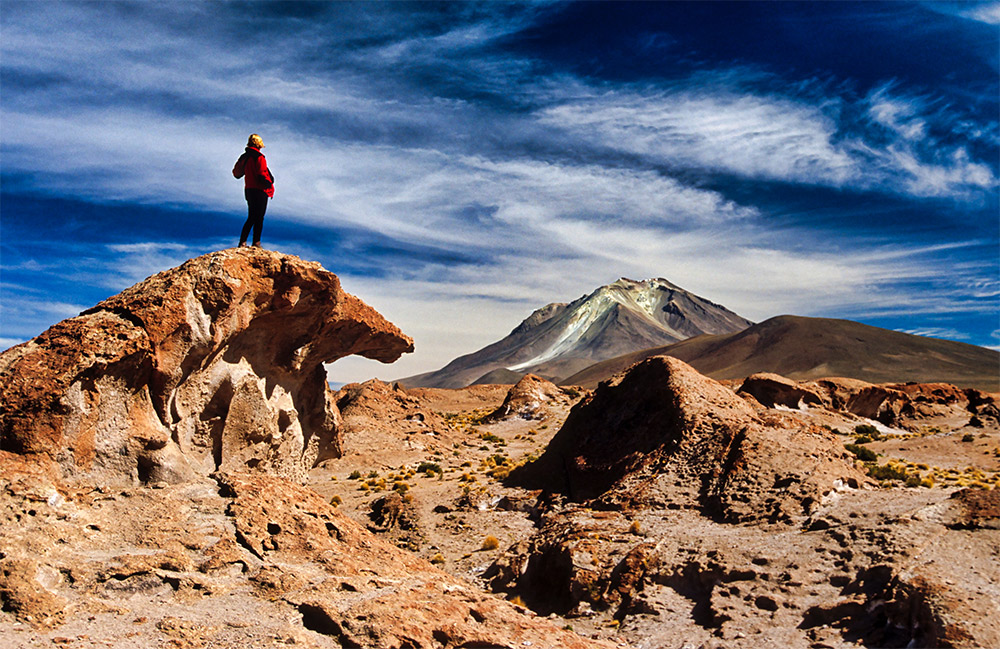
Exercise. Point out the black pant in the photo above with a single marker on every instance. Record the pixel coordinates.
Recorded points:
(256, 206)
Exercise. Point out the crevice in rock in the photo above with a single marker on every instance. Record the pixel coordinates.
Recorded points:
(885, 612)
(316, 618)
(214, 418)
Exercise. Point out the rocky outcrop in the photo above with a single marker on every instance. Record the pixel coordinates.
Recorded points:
(376, 415)
(902, 405)
(527, 397)
(215, 364)
(372, 594)
(263, 561)
(663, 433)
(869, 569)
(773, 390)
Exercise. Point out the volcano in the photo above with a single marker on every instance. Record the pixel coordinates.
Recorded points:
(560, 339)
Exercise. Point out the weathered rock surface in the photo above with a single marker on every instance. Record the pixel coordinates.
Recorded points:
(870, 569)
(526, 398)
(663, 433)
(216, 364)
(660, 462)
(254, 561)
(903, 405)
(376, 415)
(773, 390)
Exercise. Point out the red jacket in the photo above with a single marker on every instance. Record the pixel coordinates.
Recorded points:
(253, 168)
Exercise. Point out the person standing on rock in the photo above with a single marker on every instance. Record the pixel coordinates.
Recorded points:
(258, 187)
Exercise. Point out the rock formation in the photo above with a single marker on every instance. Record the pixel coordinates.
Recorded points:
(903, 405)
(216, 364)
(695, 517)
(773, 390)
(376, 415)
(525, 399)
(152, 450)
(869, 569)
(671, 510)
(661, 432)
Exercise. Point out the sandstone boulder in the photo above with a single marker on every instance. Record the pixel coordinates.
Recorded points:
(526, 398)
(215, 364)
(773, 390)
(663, 433)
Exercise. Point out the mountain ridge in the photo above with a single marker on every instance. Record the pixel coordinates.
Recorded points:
(803, 348)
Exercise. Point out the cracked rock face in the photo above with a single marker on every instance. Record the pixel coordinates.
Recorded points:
(215, 364)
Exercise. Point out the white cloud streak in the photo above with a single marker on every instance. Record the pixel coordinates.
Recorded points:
(593, 181)
(776, 138)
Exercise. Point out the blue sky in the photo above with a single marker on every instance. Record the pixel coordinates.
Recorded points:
(459, 165)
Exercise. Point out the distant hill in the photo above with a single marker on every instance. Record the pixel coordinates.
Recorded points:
(561, 339)
(807, 348)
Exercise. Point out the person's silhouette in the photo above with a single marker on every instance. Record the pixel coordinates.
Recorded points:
(258, 187)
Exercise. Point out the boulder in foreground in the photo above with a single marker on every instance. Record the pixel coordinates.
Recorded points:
(215, 364)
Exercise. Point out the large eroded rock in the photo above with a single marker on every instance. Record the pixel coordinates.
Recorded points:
(662, 432)
(215, 364)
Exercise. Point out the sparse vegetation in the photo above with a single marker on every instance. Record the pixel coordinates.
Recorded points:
(862, 453)
(968, 437)
(461, 421)
(355, 475)
(490, 543)
(499, 472)
(867, 430)
(888, 471)
(493, 439)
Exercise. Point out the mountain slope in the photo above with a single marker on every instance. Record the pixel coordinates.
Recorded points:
(560, 339)
(807, 348)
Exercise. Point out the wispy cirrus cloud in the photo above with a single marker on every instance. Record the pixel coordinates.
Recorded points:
(781, 137)
(985, 12)
(464, 181)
